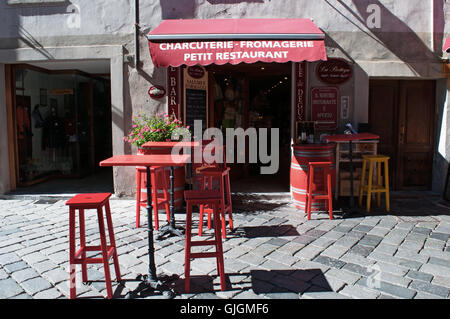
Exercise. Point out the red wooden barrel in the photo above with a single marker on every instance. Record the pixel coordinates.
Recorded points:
(303, 154)
(179, 176)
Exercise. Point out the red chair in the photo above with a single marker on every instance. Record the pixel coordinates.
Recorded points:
(221, 173)
(319, 194)
(81, 202)
(160, 197)
(212, 199)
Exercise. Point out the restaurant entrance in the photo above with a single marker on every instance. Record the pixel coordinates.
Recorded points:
(256, 96)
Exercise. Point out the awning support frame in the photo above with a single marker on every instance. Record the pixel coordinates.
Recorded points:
(229, 36)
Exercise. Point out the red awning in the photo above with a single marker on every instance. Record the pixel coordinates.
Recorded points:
(191, 42)
(447, 45)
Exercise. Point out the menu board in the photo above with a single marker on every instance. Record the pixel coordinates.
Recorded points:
(195, 96)
(196, 107)
(324, 102)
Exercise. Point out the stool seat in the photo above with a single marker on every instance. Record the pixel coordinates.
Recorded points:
(199, 195)
(91, 200)
(375, 157)
(214, 171)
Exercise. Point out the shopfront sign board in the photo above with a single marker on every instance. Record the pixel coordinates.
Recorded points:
(324, 107)
(334, 71)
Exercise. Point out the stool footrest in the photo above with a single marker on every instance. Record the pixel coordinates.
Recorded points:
(320, 197)
(203, 255)
(110, 251)
(203, 243)
(375, 189)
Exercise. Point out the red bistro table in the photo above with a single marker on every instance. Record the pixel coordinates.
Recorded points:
(350, 138)
(170, 227)
(150, 282)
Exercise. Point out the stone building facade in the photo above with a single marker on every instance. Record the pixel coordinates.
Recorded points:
(397, 40)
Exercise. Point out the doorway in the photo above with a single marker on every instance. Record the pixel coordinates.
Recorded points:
(62, 128)
(255, 96)
(402, 112)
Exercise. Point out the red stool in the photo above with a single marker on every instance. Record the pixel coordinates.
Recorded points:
(81, 202)
(221, 173)
(223, 176)
(213, 199)
(158, 182)
(321, 194)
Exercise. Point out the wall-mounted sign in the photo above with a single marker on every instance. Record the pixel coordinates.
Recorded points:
(345, 107)
(156, 92)
(300, 91)
(334, 71)
(173, 85)
(324, 102)
(196, 72)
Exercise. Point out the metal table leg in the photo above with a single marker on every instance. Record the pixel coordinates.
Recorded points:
(151, 284)
(170, 228)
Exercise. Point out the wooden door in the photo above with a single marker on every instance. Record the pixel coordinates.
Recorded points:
(416, 132)
(383, 101)
(402, 113)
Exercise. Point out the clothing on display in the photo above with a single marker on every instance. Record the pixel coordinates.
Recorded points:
(38, 120)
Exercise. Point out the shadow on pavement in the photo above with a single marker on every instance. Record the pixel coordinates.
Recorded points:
(293, 281)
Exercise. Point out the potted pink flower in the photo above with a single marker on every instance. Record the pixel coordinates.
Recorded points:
(160, 128)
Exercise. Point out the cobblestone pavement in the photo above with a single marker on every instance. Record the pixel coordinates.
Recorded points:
(274, 252)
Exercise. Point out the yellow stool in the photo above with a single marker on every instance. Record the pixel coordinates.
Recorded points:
(371, 161)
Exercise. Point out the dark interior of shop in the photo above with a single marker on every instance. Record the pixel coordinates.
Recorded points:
(63, 128)
(255, 96)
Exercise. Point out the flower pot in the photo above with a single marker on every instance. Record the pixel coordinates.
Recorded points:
(179, 172)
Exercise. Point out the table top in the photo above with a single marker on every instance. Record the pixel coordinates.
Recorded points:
(146, 160)
(351, 137)
(170, 144)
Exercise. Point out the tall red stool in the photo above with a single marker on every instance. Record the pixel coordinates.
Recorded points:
(81, 202)
(212, 199)
(159, 199)
(319, 194)
(221, 173)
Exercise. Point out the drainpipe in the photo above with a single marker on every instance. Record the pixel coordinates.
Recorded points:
(136, 33)
(433, 9)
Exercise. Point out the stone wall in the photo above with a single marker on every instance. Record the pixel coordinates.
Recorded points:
(384, 38)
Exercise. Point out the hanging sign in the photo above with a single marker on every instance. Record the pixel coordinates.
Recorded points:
(324, 102)
(156, 92)
(334, 71)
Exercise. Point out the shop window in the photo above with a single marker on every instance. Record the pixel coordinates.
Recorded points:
(52, 125)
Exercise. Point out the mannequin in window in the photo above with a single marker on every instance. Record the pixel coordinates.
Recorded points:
(53, 135)
(37, 117)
